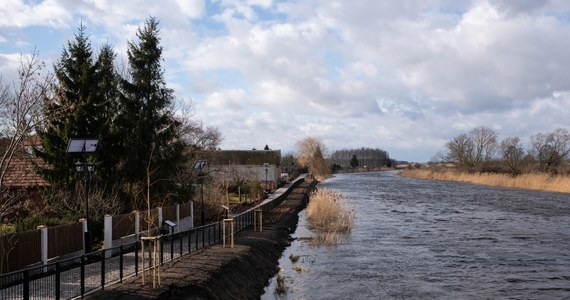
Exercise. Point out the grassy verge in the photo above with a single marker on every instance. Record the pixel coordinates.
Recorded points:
(534, 181)
(329, 215)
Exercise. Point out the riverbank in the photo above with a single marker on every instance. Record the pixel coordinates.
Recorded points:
(224, 273)
(536, 181)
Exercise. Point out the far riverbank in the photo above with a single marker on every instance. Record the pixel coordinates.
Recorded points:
(538, 181)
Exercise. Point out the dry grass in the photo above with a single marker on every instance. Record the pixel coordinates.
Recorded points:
(281, 288)
(533, 181)
(329, 215)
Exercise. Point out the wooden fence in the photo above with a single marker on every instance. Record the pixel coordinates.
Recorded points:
(21, 249)
(64, 239)
(124, 224)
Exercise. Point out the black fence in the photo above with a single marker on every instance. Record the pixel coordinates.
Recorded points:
(76, 277)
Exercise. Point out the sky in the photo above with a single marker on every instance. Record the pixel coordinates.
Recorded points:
(404, 76)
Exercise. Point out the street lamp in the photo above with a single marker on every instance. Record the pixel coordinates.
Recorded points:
(85, 168)
(200, 165)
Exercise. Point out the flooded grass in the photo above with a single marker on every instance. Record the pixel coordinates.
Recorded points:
(329, 215)
(533, 181)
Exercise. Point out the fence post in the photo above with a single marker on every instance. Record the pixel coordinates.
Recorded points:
(108, 234)
(57, 281)
(121, 263)
(82, 275)
(191, 214)
(159, 225)
(177, 217)
(137, 224)
(44, 243)
(137, 257)
(103, 269)
(26, 284)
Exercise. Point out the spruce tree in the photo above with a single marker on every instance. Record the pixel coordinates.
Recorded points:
(84, 105)
(110, 153)
(69, 112)
(146, 117)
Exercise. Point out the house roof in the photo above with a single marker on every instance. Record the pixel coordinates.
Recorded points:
(21, 173)
(242, 157)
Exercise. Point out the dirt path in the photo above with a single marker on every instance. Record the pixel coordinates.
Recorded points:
(224, 273)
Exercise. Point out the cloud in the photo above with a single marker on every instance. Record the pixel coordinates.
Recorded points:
(19, 13)
(402, 75)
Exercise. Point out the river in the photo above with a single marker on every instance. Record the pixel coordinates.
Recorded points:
(420, 239)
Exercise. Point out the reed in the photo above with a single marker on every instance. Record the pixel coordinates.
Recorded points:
(329, 215)
(280, 288)
(530, 181)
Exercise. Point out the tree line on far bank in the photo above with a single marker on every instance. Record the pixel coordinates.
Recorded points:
(480, 150)
(365, 158)
(311, 157)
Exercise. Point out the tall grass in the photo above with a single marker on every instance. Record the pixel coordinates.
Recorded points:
(531, 181)
(329, 215)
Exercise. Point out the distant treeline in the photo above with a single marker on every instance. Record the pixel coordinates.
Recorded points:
(361, 158)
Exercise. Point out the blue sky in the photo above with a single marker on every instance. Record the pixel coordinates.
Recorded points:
(404, 76)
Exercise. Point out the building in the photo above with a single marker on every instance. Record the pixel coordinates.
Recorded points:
(251, 165)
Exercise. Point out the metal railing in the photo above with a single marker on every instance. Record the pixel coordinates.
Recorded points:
(79, 276)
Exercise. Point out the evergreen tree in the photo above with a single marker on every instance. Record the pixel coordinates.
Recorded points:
(71, 112)
(146, 116)
(354, 161)
(110, 153)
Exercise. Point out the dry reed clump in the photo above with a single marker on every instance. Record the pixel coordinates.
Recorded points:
(531, 181)
(281, 288)
(329, 215)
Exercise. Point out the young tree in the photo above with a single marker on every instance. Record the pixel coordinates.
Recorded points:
(150, 129)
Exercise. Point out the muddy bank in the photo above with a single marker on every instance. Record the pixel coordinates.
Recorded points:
(246, 275)
(225, 273)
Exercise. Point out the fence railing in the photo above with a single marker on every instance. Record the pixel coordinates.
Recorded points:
(76, 277)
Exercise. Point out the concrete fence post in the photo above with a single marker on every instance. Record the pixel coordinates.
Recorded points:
(137, 224)
(108, 232)
(191, 214)
(177, 217)
(44, 243)
(159, 225)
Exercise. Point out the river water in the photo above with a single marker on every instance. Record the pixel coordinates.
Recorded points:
(420, 239)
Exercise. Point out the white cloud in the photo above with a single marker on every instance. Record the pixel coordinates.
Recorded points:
(401, 75)
(192, 9)
(19, 13)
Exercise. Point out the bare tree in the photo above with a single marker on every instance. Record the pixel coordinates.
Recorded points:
(472, 150)
(460, 150)
(310, 154)
(551, 149)
(194, 133)
(485, 142)
(512, 152)
(20, 112)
